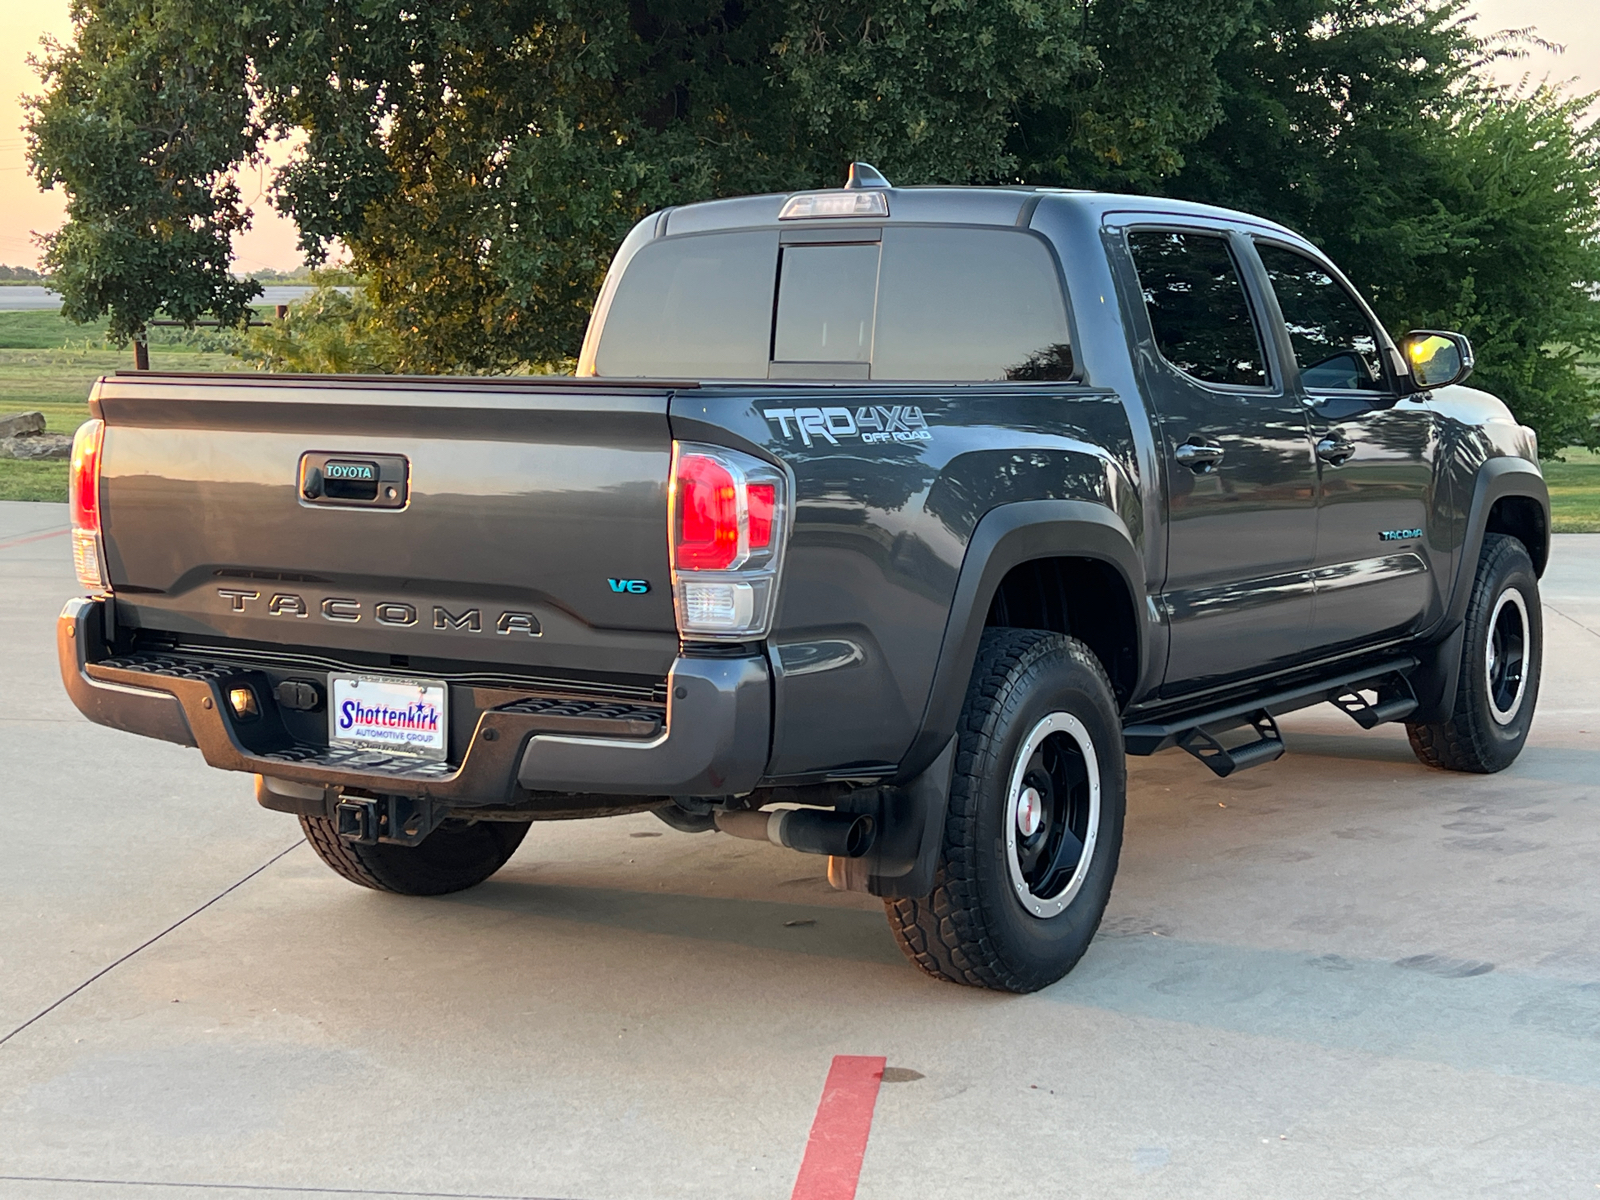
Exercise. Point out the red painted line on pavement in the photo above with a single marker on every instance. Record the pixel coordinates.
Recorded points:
(38, 537)
(838, 1143)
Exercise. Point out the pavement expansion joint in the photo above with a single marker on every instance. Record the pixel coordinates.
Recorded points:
(106, 970)
(280, 1189)
(1575, 621)
(36, 536)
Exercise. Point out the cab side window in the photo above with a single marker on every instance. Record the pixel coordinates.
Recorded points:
(1197, 306)
(1334, 343)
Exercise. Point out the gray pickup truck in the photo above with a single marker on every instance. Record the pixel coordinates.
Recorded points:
(878, 522)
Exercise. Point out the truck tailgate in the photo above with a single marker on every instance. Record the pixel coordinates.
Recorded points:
(530, 528)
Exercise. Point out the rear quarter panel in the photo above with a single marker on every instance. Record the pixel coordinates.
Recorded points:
(881, 531)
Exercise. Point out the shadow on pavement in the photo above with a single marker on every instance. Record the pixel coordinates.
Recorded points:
(839, 933)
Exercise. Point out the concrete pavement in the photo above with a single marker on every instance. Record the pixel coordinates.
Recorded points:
(1337, 975)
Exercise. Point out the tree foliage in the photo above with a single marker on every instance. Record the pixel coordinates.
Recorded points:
(480, 161)
(336, 329)
(485, 181)
(142, 121)
(1367, 126)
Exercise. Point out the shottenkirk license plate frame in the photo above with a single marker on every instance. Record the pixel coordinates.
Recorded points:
(390, 694)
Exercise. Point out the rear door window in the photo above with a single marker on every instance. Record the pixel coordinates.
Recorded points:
(693, 308)
(969, 304)
(1197, 305)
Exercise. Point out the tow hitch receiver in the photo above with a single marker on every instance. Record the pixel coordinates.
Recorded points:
(398, 820)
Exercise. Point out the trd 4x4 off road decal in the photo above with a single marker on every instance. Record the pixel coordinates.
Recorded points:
(870, 422)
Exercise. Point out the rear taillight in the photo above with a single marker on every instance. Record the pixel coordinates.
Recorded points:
(84, 496)
(727, 533)
(708, 514)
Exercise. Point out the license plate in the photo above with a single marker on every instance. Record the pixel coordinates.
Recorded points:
(385, 713)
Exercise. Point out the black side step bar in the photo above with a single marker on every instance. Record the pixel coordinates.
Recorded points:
(1396, 701)
(1197, 732)
(1225, 760)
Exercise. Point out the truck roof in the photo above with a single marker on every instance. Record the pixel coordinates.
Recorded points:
(940, 204)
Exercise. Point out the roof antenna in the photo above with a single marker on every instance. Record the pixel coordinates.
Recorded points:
(865, 175)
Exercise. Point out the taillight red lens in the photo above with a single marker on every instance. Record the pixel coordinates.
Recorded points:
(84, 477)
(708, 515)
(763, 497)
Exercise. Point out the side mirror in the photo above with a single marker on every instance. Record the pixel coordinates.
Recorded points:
(1436, 359)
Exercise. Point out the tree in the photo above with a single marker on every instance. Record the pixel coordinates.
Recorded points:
(485, 184)
(1368, 126)
(142, 121)
(334, 330)
(482, 161)
(1511, 254)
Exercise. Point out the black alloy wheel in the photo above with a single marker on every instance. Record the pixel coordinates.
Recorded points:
(1506, 656)
(1054, 814)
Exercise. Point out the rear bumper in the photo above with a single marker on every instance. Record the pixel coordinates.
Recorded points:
(714, 742)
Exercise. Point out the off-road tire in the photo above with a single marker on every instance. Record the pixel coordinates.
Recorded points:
(452, 858)
(1472, 740)
(973, 928)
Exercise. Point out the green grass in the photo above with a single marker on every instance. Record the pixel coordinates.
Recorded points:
(33, 480)
(49, 364)
(1574, 492)
(45, 330)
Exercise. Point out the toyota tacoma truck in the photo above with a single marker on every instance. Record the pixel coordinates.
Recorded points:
(880, 523)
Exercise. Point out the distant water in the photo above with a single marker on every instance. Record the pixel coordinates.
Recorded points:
(26, 298)
(30, 298)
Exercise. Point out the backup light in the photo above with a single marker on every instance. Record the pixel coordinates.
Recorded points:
(835, 204)
(727, 526)
(718, 606)
(83, 483)
(243, 702)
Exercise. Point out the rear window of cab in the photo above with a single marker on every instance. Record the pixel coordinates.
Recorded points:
(926, 303)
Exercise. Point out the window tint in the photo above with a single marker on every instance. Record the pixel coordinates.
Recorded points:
(1334, 342)
(826, 296)
(693, 307)
(1197, 306)
(969, 304)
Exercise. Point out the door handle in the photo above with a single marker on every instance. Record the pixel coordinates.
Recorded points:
(1335, 451)
(1198, 457)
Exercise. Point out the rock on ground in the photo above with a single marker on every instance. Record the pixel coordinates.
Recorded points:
(12, 424)
(37, 446)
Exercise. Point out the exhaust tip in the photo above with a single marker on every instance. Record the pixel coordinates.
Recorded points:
(808, 830)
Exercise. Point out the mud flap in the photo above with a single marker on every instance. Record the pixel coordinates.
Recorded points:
(1436, 678)
(910, 823)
